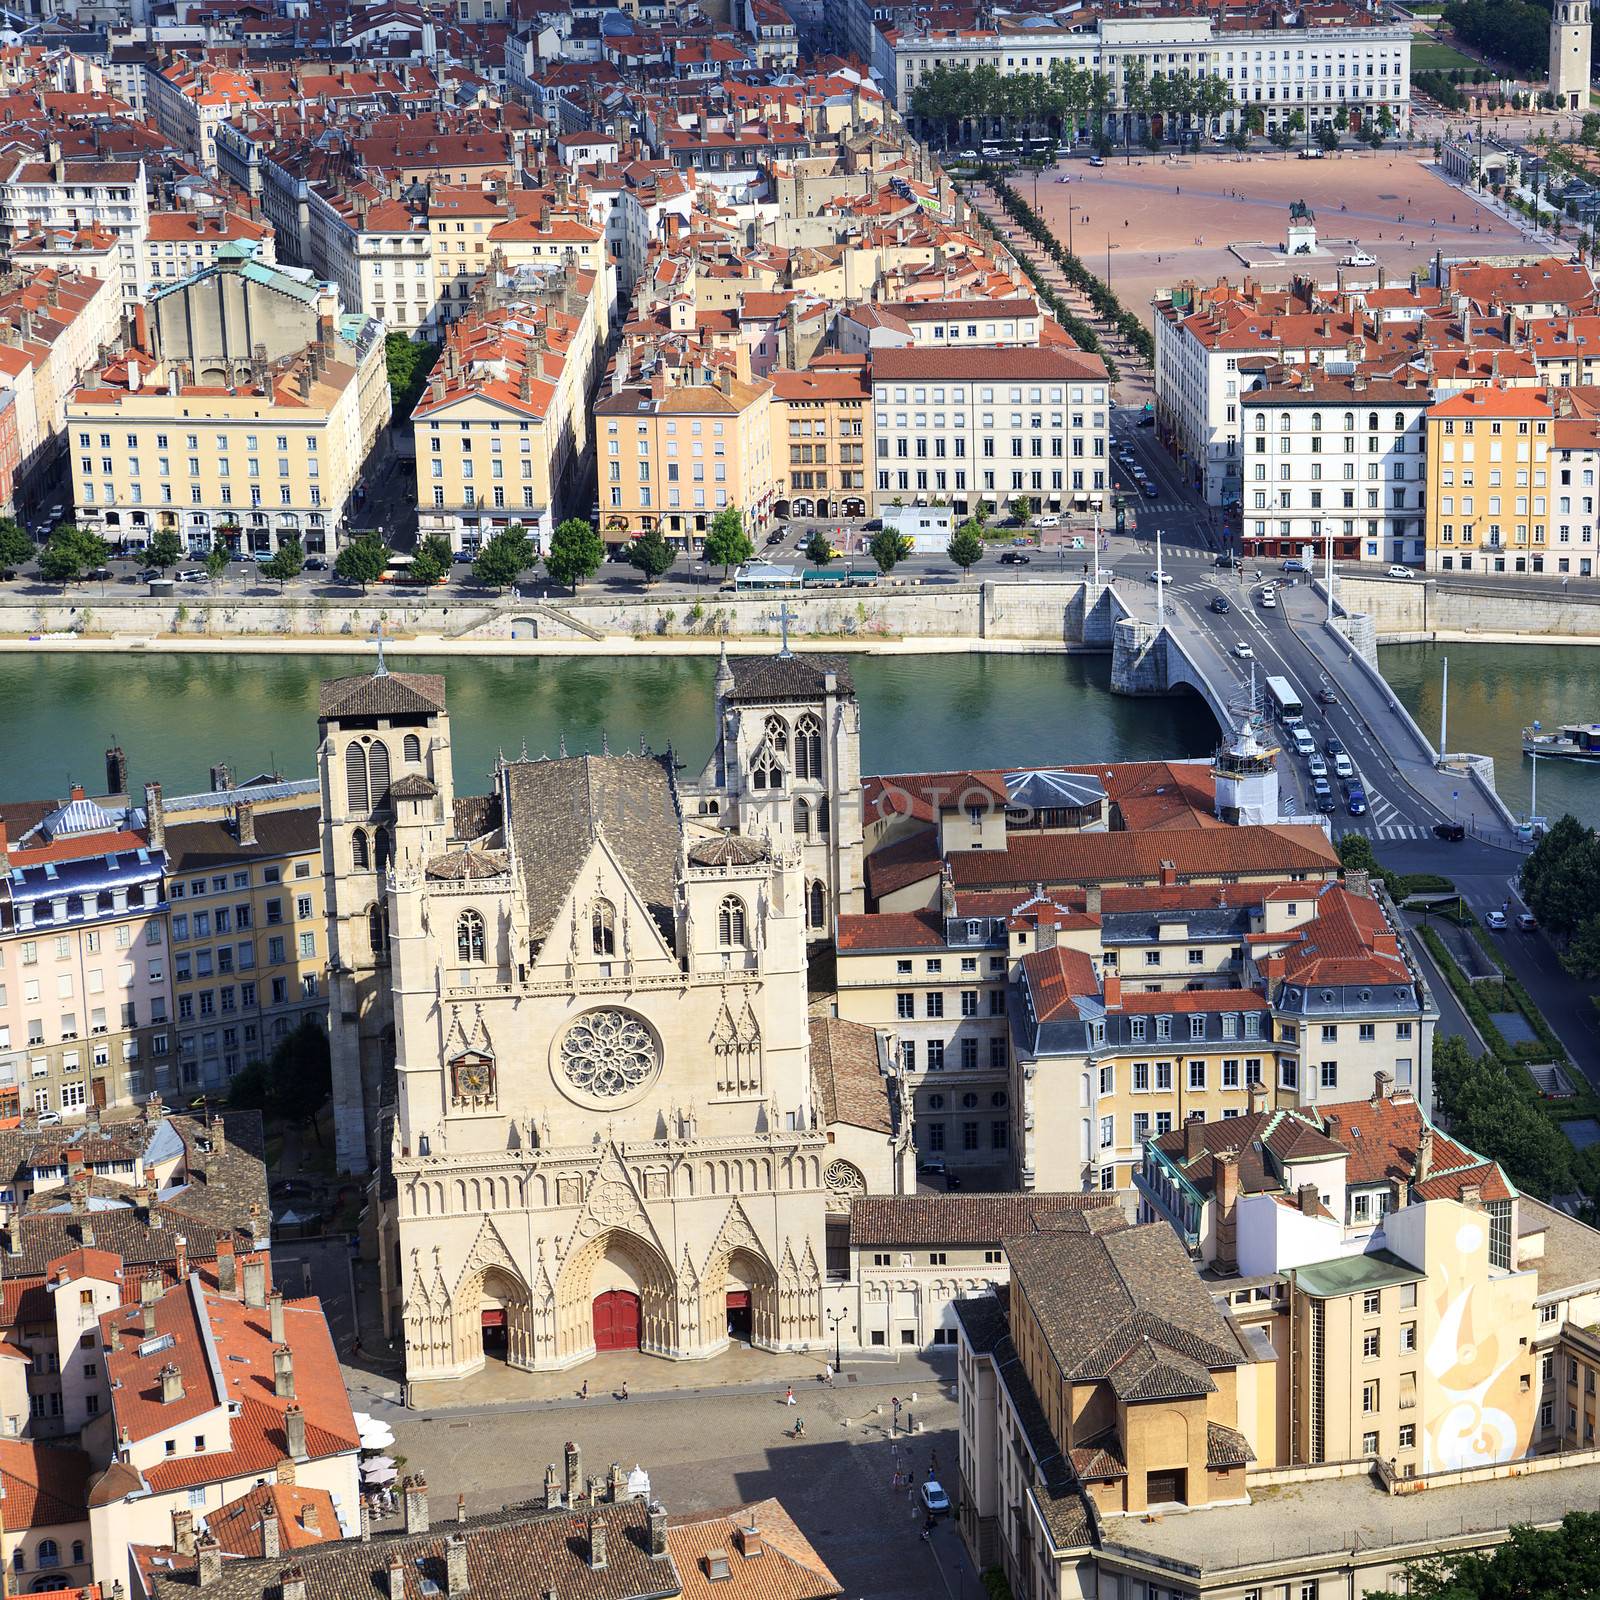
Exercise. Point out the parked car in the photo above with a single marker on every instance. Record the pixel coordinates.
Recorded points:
(1343, 766)
(100, 575)
(316, 564)
(1097, 161)
(1317, 766)
(1232, 563)
(1291, 565)
(1147, 489)
(775, 537)
(1243, 651)
(1314, 154)
(1495, 919)
(934, 1499)
(934, 1164)
(190, 575)
(1321, 786)
(1219, 604)
(1358, 258)
(1454, 832)
(1356, 799)
(1014, 558)
(1152, 576)
(1304, 744)
(1401, 572)
(1325, 802)
(1268, 600)
(1526, 921)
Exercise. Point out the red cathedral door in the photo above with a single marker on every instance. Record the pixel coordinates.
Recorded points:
(616, 1320)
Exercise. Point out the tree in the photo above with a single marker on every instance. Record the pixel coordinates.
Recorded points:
(819, 552)
(165, 550)
(1328, 137)
(71, 552)
(430, 561)
(1022, 509)
(575, 553)
(288, 561)
(294, 1084)
(504, 558)
(15, 545)
(1355, 854)
(216, 562)
(1552, 1563)
(727, 544)
(364, 560)
(650, 554)
(408, 363)
(888, 548)
(966, 546)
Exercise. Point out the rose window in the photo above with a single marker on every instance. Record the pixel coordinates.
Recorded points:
(844, 1178)
(606, 1054)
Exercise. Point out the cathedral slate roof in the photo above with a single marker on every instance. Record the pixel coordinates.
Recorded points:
(767, 678)
(555, 811)
(393, 694)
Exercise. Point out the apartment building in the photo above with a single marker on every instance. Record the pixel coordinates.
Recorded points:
(1489, 489)
(225, 441)
(59, 196)
(245, 922)
(821, 432)
(504, 433)
(675, 449)
(178, 243)
(970, 424)
(1268, 63)
(1334, 458)
(85, 974)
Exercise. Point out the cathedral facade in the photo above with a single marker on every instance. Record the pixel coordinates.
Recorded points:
(581, 1002)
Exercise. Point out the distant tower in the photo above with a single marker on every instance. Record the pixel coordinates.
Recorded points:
(1245, 773)
(1569, 54)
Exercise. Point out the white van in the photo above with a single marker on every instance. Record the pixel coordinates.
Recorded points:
(1049, 520)
(1304, 744)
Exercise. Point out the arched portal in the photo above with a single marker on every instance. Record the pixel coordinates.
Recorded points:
(494, 1320)
(615, 1293)
(745, 1291)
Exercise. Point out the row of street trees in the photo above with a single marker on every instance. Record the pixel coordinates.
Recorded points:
(950, 103)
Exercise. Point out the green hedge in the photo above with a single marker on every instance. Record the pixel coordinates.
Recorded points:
(1476, 999)
(995, 1585)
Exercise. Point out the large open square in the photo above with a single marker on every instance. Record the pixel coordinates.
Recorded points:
(1170, 219)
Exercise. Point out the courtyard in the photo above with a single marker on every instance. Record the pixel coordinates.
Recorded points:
(1155, 222)
(705, 1452)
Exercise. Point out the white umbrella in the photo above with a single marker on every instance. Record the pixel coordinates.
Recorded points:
(378, 1438)
(382, 1475)
(377, 1464)
(363, 1419)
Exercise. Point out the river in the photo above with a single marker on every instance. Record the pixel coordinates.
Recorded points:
(175, 715)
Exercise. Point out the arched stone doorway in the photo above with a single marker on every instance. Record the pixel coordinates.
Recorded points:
(615, 1293)
(745, 1291)
(497, 1313)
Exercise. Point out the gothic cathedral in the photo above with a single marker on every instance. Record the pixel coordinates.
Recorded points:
(570, 1023)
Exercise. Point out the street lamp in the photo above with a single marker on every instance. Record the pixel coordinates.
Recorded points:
(837, 1317)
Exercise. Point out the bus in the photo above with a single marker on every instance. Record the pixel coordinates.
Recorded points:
(763, 575)
(1286, 704)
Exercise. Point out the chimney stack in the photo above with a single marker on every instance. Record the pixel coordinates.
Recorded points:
(1306, 1195)
(283, 1372)
(155, 817)
(1194, 1135)
(397, 1576)
(183, 1531)
(171, 1383)
(269, 1532)
(294, 1432)
(244, 822)
(1225, 1171)
(275, 1316)
(415, 1489)
(552, 1488)
(1257, 1098)
(1424, 1154)
(227, 1266)
(116, 771)
(455, 1566)
(574, 1474)
(657, 1516)
(255, 1283)
(597, 1544)
(180, 1257)
(292, 1581)
(1380, 1087)
(207, 1560)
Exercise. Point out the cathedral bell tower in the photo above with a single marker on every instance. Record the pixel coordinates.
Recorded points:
(383, 759)
(1570, 45)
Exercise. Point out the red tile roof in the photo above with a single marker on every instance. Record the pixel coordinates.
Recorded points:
(1055, 976)
(45, 1485)
(890, 930)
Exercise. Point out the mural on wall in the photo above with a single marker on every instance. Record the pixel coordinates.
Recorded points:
(1477, 1412)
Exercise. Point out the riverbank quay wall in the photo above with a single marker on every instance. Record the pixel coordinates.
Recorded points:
(1413, 610)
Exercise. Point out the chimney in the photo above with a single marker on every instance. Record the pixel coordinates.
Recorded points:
(1257, 1098)
(1380, 1087)
(183, 1531)
(292, 1581)
(244, 822)
(461, 1508)
(397, 1576)
(285, 1472)
(455, 1566)
(1169, 874)
(255, 1283)
(415, 1489)
(155, 817)
(294, 1432)
(221, 778)
(552, 1488)
(207, 1560)
(269, 1532)
(283, 1372)
(116, 771)
(275, 1315)
(1111, 990)
(597, 1544)
(1424, 1169)
(1225, 1171)
(1194, 1135)
(616, 1483)
(1306, 1196)
(657, 1517)
(574, 1474)
(1091, 899)
(260, 1223)
(749, 1541)
(171, 1383)
(227, 1266)
(180, 1257)
(310, 1519)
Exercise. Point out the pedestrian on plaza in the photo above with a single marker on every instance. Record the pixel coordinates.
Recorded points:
(583, 1393)
(788, 1395)
(799, 1427)
(623, 1392)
